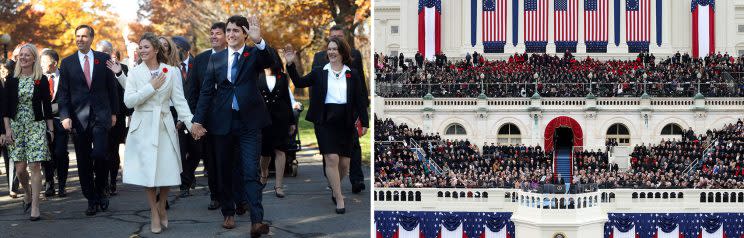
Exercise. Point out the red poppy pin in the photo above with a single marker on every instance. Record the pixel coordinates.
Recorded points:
(165, 70)
(278, 76)
(37, 82)
(348, 75)
(191, 65)
(95, 61)
(246, 54)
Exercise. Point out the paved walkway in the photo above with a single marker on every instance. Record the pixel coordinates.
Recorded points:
(306, 211)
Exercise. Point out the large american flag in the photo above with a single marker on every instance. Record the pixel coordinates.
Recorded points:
(430, 27)
(595, 20)
(494, 20)
(494, 25)
(638, 20)
(536, 20)
(566, 20)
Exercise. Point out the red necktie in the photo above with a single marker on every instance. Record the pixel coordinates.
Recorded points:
(86, 71)
(51, 86)
(183, 71)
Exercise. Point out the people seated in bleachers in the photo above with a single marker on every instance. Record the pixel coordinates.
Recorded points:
(551, 76)
(458, 163)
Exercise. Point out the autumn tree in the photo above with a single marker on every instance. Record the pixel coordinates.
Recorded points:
(51, 23)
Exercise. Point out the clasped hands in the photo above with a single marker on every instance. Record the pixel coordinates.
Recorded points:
(197, 131)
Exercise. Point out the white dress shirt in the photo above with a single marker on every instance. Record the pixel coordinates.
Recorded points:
(56, 81)
(55, 106)
(186, 62)
(230, 57)
(336, 92)
(271, 82)
(90, 62)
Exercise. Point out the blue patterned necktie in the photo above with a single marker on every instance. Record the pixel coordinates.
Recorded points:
(233, 76)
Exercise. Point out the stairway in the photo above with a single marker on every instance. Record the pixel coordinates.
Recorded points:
(563, 163)
(429, 165)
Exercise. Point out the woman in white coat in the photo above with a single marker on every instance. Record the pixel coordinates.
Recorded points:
(152, 154)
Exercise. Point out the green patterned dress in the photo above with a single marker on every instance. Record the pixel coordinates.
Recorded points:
(30, 136)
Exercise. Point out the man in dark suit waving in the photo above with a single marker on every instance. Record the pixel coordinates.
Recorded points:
(88, 104)
(234, 113)
(356, 176)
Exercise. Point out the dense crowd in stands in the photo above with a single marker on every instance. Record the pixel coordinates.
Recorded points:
(725, 166)
(387, 131)
(662, 165)
(552, 76)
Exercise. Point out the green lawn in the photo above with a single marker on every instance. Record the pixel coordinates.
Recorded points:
(307, 135)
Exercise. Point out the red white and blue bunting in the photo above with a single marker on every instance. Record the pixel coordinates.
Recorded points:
(395, 224)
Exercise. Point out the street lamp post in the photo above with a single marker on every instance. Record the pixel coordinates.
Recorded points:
(699, 75)
(591, 82)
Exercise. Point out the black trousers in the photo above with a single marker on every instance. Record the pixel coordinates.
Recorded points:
(93, 167)
(60, 161)
(210, 164)
(356, 175)
(192, 152)
(117, 135)
(8, 174)
(237, 156)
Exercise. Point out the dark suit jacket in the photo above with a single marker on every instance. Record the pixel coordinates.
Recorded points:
(41, 101)
(356, 96)
(186, 82)
(192, 85)
(87, 106)
(277, 100)
(123, 110)
(214, 109)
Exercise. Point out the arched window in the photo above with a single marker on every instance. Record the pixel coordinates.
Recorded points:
(671, 129)
(620, 133)
(455, 129)
(509, 134)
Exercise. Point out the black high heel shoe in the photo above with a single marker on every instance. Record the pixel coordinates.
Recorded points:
(278, 194)
(340, 210)
(34, 218)
(26, 206)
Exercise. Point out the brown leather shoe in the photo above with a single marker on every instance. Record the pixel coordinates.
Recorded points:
(229, 222)
(259, 229)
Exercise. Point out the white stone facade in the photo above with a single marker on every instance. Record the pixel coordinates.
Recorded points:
(482, 118)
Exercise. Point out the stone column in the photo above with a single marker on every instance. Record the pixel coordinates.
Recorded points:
(623, 33)
(610, 26)
(550, 48)
(520, 46)
(666, 29)
(509, 47)
(408, 27)
(479, 31)
(581, 45)
(653, 43)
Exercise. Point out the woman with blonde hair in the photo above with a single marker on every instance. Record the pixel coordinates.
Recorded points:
(28, 121)
(152, 155)
(170, 51)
